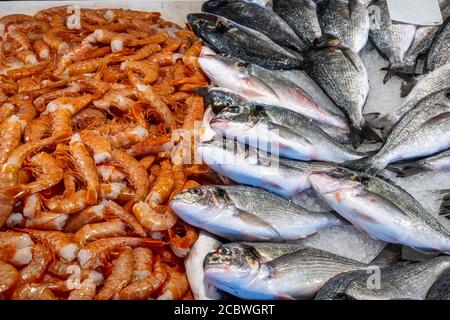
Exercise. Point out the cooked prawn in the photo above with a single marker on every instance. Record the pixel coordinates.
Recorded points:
(89, 117)
(26, 71)
(33, 291)
(35, 270)
(32, 205)
(41, 49)
(10, 135)
(112, 209)
(89, 215)
(8, 20)
(153, 220)
(47, 221)
(128, 137)
(151, 146)
(110, 173)
(147, 94)
(68, 204)
(176, 286)
(98, 145)
(27, 57)
(143, 263)
(163, 186)
(16, 257)
(86, 291)
(182, 238)
(116, 191)
(8, 276)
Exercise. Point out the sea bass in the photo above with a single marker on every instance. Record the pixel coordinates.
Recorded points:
(247, 213)
(241, 271)
(381, 209)
(439, 162)
(233, 39)
(258, 18)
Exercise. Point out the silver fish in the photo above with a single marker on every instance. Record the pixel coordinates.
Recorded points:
(441, 288)
(421, 132)
(258, 18)
(381, 209)
(392, 39)
(233, 39)
(334, 289)
(200, 287)
(346, 19)
(280, 131)
(249, 166)
(439, 54)
(301, 15)
(247, 213)
(439, 162)
(268, 87)
(342, 76)
(240, 271)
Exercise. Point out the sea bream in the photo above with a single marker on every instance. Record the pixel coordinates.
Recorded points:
(230, 38)
(256, 17)
(342, 75)
(245, 213)
(242, 271)
(381, 209)
(280, 131)
(441, 288)
(301, 15)
(265, 86)
(347, 20)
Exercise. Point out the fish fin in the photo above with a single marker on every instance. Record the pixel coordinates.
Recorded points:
(407, 86)
(364, 165)
(349, 55)
(372, 116)
(282, 263)
(304, 198)
(368, 133)
(355, 135)
(406, 169)
(388, 75)
(256, 221)
(202, 91)
(444, 209)
(286, 132)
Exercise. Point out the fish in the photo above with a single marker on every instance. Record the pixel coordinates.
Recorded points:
(258, 18)
(242, 213)
(301, 15)
(439, 54)
(439, 162)
(282, 132)
(265, 86)
(237, 41)
(392, 39)
(347, 20)
(421, 132)
(241, 271)
(381, 209)
(342, 75)
(406, 281)
(433, 82)
(440, 290)
(334, 289)
(200, 287)
(249, 166)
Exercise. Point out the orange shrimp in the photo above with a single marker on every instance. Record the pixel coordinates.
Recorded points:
(144, 52)
(25, 109)
(6, 208)
(16, 257)
(157, 38)
(27, 57)
(6, 110)
(121, 274)
(21, 38)
(63, 270)
(119, 14)
(32, 205)
(153, 220)
(128, 137)
(110, 173)
(10, 135)
(86, 291)
(26, 71)
(142, 289)
(48, 172)
(68, 204)
(149, 71)
(135, 172)
(41, 49)
(175, 287)
(59, 242)
(190, 184)
(62, 125)
(5, 21)
(116, 191)
(147, 161)
(89, 117)
(147, 94)
(151, 146)
(86, 167)
(116, 98)
(41, 101)
(163, 186)
(95, 231)
(112, 209)
(182, 238)
(35, 270)
(89, 215)
(8, 276)
(87, 66)
(143, 263)
(162, 58)
(179, 179)
(98, 145)
(30, 26)
(54, 42)
(74, 104)
(37, 128)
(95, 253)
(33, 291)
(47, 221)
(17, 240)
(172, 44)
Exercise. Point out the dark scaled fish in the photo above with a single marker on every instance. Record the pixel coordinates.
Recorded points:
(441, 288)
(301, 15)
(235, 40)
(256, 17)
(343, 77)
(347, 20)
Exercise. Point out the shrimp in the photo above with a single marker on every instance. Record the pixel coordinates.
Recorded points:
(94, 254)
(74, 104)
(116, 98)
(33, 291)
(142, 289)
(89, 215)
(196, 108)
(110, 173)
(116, 40)
(163, 186)
(152, 220)
(98, 145)
(175, 287)
(10, 134)
(16, 257)
(15, 220)
(87, 66)
(68, 204)
(157, 38)
(41, 49)
(162, 58)
(47, 221)
(116, 191)
(182, 239)
(6, 110)
(17, 240)
(121, 274)
(65, 270)
(172, 44)
(151, 146)
(128, 137)
(48, 175)
(59, 242)
(26, 71)
(6, 208)
(148, 70)
(21, 38)
(179, 179)
(143, 263)
(35, 270)
(112, 209)
(27, 57)
(89, 117)
(119, 14)
(5, 21)
(86, 167)
(135, 172)
(32, 205)
(147, 161)
(95, 231)
(25, 109)
(54, 42)
(62, 126)
(147, 94)
(41, 101)
(144, 52)
(8, 276)
(86, 291)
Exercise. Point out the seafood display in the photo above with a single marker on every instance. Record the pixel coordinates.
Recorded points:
(89, 112)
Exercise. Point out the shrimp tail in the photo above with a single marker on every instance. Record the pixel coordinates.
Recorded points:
(16, 192)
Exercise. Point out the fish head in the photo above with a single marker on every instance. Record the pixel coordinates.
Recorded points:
(204, 23)
(214, 5)
(235, 120)
(326, 41)
(334, 181)
(231, 265)
(223, 71)
(219, 98)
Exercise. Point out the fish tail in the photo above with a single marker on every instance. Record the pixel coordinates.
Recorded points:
(444, 209)
(407, 169)
(369, 133)
(366, 165)
(407, 85)
(355, 134)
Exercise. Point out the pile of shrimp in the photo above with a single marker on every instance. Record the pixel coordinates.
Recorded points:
(88, 113)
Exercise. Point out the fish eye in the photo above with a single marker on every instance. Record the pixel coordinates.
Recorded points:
(226, 251)
(233, 109)
(196, 191)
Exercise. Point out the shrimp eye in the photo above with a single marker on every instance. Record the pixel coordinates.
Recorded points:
(196, 191)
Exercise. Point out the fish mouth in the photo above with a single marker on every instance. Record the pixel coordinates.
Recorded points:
(218, 123)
